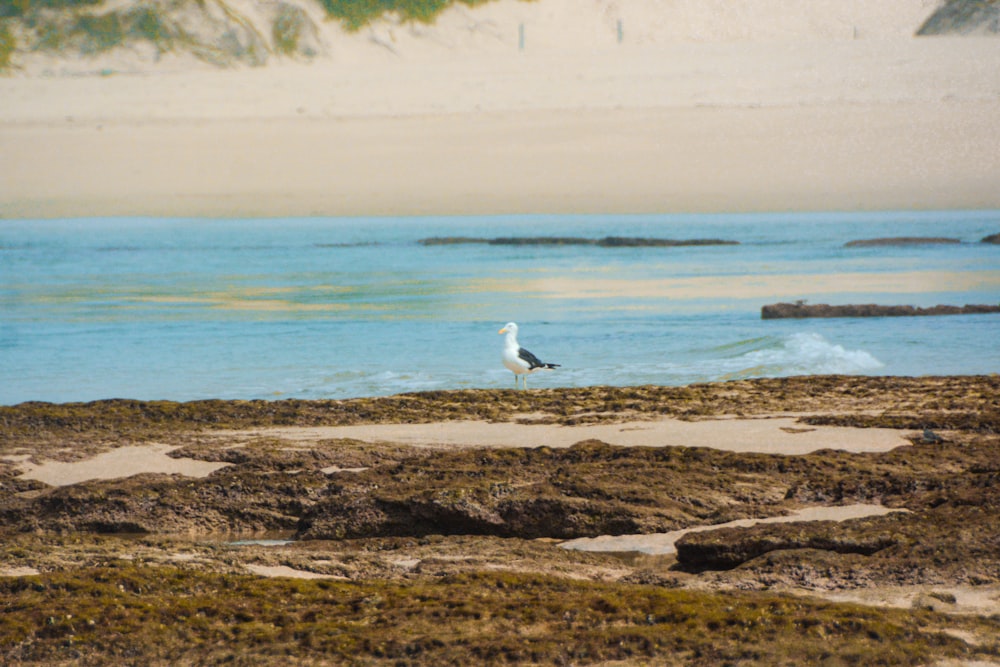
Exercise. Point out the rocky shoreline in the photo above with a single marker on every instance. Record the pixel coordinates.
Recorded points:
(473, 533)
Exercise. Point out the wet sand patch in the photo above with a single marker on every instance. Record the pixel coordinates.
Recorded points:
(663, 543)
(117, 463)
(290, 572)
(767, 435)
(976, 600)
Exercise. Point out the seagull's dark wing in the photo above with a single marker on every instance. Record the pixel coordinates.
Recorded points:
(533, 361)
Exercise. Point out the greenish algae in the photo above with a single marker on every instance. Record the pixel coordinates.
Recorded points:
(162, 614)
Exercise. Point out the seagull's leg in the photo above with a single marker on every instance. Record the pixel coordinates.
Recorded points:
(525, 380)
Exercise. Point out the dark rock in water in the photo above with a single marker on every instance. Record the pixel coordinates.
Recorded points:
(508, 240)
(778, 311)
(540, 240)
(900, 241)
(606, 242)
(627, 242)
(992, 238)
(451, 240)
(964, 17)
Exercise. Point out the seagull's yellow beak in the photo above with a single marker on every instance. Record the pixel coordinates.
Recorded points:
(504, 330)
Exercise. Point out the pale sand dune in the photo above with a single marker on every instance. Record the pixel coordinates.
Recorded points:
(703, 106)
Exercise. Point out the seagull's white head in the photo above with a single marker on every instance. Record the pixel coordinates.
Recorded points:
(510, 328)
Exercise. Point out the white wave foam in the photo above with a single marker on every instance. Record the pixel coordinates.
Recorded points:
(804, 354)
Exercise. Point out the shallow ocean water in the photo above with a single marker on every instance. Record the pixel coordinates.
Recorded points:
(328, 308)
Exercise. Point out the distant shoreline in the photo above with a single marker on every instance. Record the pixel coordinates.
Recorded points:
(453, 165)
(761, 111)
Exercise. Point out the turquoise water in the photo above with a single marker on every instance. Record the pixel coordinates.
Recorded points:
(185, 309)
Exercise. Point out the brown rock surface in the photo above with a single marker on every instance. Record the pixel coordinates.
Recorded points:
(461, 544)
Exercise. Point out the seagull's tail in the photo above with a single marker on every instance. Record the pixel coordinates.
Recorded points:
(549, 367)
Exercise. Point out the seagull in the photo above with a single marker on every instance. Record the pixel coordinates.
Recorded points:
(518, 359)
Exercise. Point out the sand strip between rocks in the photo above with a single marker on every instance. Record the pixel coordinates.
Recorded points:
(118, 463)
(768, 435)
(664, 543)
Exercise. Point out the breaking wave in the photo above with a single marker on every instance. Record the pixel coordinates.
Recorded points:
(795, 354)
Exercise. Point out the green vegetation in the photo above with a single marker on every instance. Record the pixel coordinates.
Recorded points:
(98, 32)
(146, 23)
(142, 614)
(86, 28)
(286, 33)
(23, 7)
(7, 44)
(292, 32)
(94, 33)
(355, 14)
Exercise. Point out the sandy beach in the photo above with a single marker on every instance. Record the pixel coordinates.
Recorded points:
(696, 108)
